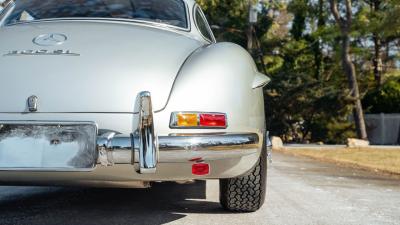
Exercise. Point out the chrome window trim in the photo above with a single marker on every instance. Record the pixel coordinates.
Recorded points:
(195, 8)
(6, 12)
(83, 19)
(173, 122)
(151, 23)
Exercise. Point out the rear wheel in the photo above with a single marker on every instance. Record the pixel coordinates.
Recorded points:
(246, 193)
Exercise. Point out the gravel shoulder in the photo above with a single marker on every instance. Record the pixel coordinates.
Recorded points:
(385, 160)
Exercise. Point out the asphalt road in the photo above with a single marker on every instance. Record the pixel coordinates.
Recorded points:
(300, 191)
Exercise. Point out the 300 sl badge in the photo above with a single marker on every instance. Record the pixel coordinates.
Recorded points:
(59, 52)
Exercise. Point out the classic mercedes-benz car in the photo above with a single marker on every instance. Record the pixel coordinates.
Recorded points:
(123, 93)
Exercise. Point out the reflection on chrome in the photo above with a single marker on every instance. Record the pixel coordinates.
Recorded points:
(147, 139)
(46, 147)
(182, 148)
(209, 142)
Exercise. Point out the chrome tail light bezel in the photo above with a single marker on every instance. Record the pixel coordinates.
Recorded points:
(174, 120)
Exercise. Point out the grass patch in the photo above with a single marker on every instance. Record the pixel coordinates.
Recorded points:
(379, 160)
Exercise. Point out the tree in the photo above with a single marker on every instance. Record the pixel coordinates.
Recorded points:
(377, 24)
(345, 23)
(386, 99)
(311, 94)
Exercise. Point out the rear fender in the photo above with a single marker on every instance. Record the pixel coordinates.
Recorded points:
(221, 78)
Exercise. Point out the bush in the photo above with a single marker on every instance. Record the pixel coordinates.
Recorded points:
(386, 99)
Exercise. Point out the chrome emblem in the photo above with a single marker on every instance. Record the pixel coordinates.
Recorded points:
(58, 52)
(33, 103)
(50, 39)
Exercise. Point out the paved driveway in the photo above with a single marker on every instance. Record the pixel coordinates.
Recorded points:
(301, 191)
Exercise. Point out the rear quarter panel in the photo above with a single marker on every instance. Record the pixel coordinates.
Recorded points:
(217, 78)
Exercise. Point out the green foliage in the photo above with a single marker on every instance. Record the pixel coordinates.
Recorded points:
(303, 103)
(299, 9)
(391, 20)
(384, 100)
(230, 16)
(308, 98)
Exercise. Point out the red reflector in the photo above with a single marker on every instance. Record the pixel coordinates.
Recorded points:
(213, 120)
(200, 169)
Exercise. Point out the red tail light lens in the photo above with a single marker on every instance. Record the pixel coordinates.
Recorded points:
(212, 120)
(200, 169)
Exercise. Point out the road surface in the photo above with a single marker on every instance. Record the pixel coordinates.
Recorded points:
(300, 191)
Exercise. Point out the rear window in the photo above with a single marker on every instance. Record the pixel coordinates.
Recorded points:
(170, 12)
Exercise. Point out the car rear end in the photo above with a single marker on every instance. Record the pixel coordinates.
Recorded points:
(124, 103)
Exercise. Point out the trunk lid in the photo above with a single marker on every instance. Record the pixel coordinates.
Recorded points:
(116, 61)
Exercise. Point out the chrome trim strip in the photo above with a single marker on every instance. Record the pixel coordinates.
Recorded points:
(6, 12)
(5, 3)
(94, 19)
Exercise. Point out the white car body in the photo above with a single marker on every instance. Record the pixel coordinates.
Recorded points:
(117, 75)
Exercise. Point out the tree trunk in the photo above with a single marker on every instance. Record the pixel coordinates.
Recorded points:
(249, 32)
(350, 72)
(250, 39)
(348, 66)
(377, 62)
(318, 56)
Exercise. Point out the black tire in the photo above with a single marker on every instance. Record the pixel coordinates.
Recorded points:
(245, 193)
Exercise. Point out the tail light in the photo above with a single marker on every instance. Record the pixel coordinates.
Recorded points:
(198, 120)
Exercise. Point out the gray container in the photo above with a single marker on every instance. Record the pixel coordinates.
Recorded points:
(383, 129)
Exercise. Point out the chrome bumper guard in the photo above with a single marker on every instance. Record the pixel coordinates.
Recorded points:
(146, 149)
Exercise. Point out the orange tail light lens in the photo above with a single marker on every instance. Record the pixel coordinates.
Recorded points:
(187, 120)
(198, 120)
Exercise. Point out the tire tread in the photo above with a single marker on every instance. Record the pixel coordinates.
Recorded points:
(245, 193)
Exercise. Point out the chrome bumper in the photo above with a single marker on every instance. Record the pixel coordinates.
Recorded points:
(119, 149)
